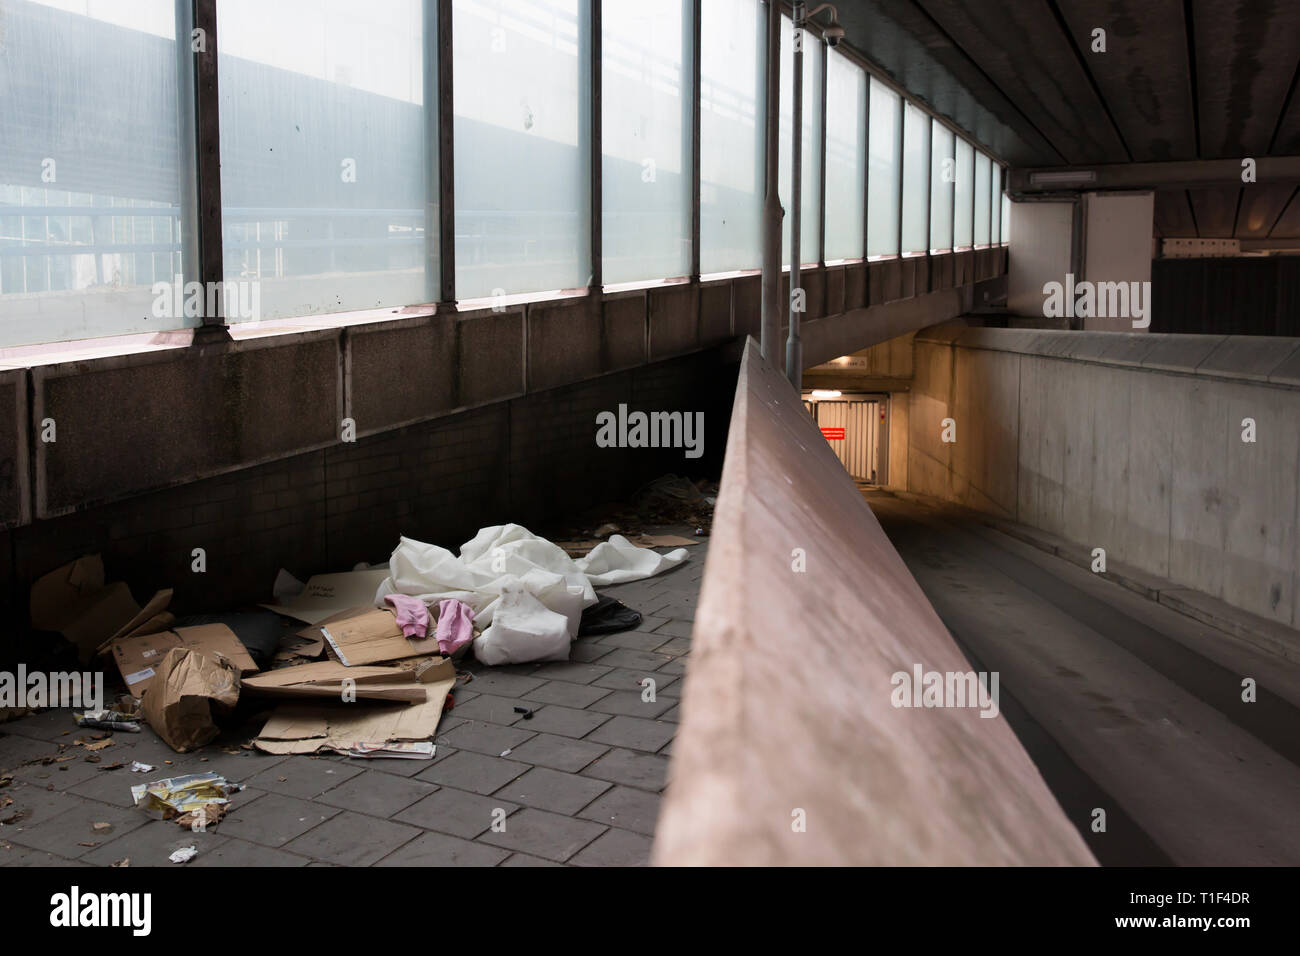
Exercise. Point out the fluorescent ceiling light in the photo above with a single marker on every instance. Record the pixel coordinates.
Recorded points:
(821, 394)
(1064, 177)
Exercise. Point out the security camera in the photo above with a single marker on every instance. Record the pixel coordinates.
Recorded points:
(834, 34)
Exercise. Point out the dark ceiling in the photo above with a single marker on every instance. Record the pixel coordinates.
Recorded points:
(1180, 80)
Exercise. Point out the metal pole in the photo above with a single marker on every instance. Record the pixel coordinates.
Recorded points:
(793, 347)
(770, 320)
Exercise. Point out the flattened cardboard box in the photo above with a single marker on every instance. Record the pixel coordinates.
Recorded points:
(138, 656)
(371, 636)
(74, 601)
(303, 728)
(324, 680)
(328, 594)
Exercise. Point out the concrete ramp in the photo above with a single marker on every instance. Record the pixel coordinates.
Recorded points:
(791, 750)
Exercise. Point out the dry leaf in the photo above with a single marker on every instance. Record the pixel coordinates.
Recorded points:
(100, 745)
(101, 827)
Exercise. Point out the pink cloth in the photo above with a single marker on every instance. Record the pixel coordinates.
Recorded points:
(412, 616)
(455, 625)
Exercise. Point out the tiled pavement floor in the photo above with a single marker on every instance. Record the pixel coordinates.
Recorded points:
(577, 783)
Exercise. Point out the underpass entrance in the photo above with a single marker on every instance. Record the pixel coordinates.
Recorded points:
(856, 426)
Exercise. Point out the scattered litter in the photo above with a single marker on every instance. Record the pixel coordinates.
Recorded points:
(506, 752)
(527, 712)
(605, 530)
(203, 817)
(107, 720)
(608, 616)
(101, 744)
(138, 767)
(408, 750)
(125, 861)
(184, 855)
(179, 795)
(101, 827)
(523, 630)
(85, 843)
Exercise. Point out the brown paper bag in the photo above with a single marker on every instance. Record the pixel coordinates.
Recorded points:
(187, 685)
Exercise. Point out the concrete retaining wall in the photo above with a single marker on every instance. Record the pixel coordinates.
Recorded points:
(1128, 442)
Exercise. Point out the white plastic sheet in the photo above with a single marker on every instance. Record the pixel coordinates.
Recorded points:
(512, 557)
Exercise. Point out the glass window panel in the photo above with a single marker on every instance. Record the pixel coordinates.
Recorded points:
(89, 170)
(883, 175)
(963, 196)
(846, 157)
(916, 179)
(943, 168)
(645, 140)
(810, 153)
(731, 135)
(522, 154)
(982, 166)
(995, 205)
(323, 153)
(1006, 218)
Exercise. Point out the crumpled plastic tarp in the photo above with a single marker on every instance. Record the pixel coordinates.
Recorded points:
(512, 557)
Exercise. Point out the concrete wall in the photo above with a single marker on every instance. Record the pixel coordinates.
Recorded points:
(1040, 247)
(1117, 246)
(1130, 442)
(462, 419)
(787, 708)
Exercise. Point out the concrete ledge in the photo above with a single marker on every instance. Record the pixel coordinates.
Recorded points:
(787, 713)
(563, 343)
(15, 490)
(162, 418)
(400, 373)
(1247, 358)
(490, 355)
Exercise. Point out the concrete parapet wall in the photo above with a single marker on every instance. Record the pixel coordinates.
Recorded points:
(787, 713)
(1131, 442)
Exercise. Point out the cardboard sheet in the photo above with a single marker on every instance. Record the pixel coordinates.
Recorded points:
(324, 681)
(74, 601)
(303, 728)
(370, 637)
(328, 594)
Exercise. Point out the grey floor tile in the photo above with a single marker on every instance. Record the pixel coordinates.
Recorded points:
(438, 849)
(482, 737)
(552, 790)
(523, 859)
(626, 678)
(616, 848)
(633, 733)
(152, 844)
(352, 839)
(635, 660)
(376, 793)
(558, 753)
(489, 681)
(242, 853)
(543, 834)
(273, 819)
(477, 773)
(576, 673)
(303, 777)
(566, 694)
(647, 771)
(565, 721)
(456, 813)
(634, 704)
(626, 808)
(65, 833)
(489, 707)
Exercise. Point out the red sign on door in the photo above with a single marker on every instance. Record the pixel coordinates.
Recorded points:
(833, 434)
